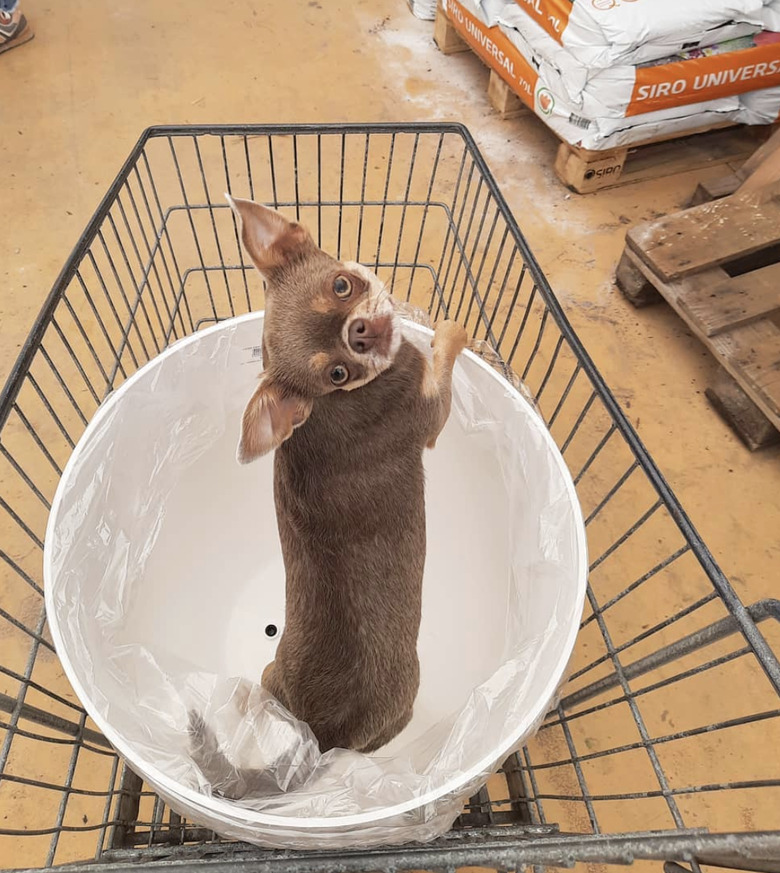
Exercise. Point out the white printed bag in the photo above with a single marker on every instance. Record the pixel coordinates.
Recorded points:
(601, 33)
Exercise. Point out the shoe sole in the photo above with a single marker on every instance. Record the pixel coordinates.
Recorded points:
(18, 39)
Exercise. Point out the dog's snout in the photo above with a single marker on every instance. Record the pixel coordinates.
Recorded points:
(359, 338)
(365, 335)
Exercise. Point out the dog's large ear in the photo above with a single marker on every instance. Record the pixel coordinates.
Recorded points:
(268, 237)
(269, 419)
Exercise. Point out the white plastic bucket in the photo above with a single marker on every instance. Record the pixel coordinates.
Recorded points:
(163, 569)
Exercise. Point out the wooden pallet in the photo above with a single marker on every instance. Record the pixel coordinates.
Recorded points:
(718, 266)
(585, 171)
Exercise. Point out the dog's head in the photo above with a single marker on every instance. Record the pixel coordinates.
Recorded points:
(329, 326)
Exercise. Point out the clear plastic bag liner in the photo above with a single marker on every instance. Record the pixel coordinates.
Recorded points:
(165, 595)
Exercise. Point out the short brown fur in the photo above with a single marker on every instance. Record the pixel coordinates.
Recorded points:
(348, 484)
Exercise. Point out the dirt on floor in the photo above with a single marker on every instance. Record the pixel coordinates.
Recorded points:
(74, 102)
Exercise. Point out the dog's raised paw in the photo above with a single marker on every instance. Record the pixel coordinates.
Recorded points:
(451, 336)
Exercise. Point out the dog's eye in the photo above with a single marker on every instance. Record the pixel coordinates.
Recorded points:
(342, 287)
(339, 374)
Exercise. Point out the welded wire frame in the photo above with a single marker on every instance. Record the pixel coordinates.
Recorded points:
(665, 729)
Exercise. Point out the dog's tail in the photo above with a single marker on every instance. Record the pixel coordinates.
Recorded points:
(226, 779)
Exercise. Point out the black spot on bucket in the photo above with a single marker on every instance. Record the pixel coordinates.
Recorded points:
(271, 631)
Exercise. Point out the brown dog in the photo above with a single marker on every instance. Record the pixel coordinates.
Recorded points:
(349, 406)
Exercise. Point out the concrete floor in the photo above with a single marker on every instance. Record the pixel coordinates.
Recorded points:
(76, 98)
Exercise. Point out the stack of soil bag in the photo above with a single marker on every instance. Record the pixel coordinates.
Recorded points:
(610, 73)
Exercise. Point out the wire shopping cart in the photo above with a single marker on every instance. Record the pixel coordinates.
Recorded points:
(656, 749)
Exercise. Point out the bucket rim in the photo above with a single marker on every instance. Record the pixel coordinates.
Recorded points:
(234, 814)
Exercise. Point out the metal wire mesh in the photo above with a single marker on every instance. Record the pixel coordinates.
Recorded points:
(672, 700)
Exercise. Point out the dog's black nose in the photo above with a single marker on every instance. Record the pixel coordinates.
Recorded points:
(360, 339)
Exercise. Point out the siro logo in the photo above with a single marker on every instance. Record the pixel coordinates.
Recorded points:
(603, 172)
(546, 101)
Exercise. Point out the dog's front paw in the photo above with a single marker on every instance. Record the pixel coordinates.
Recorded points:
(449, 336)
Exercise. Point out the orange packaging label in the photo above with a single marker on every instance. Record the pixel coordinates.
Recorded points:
(496, 51)
(707, 78)
(552, 15)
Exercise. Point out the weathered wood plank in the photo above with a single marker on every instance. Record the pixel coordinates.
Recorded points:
(751, 354)
(740, 413)
(708, 235)
(734, 302)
